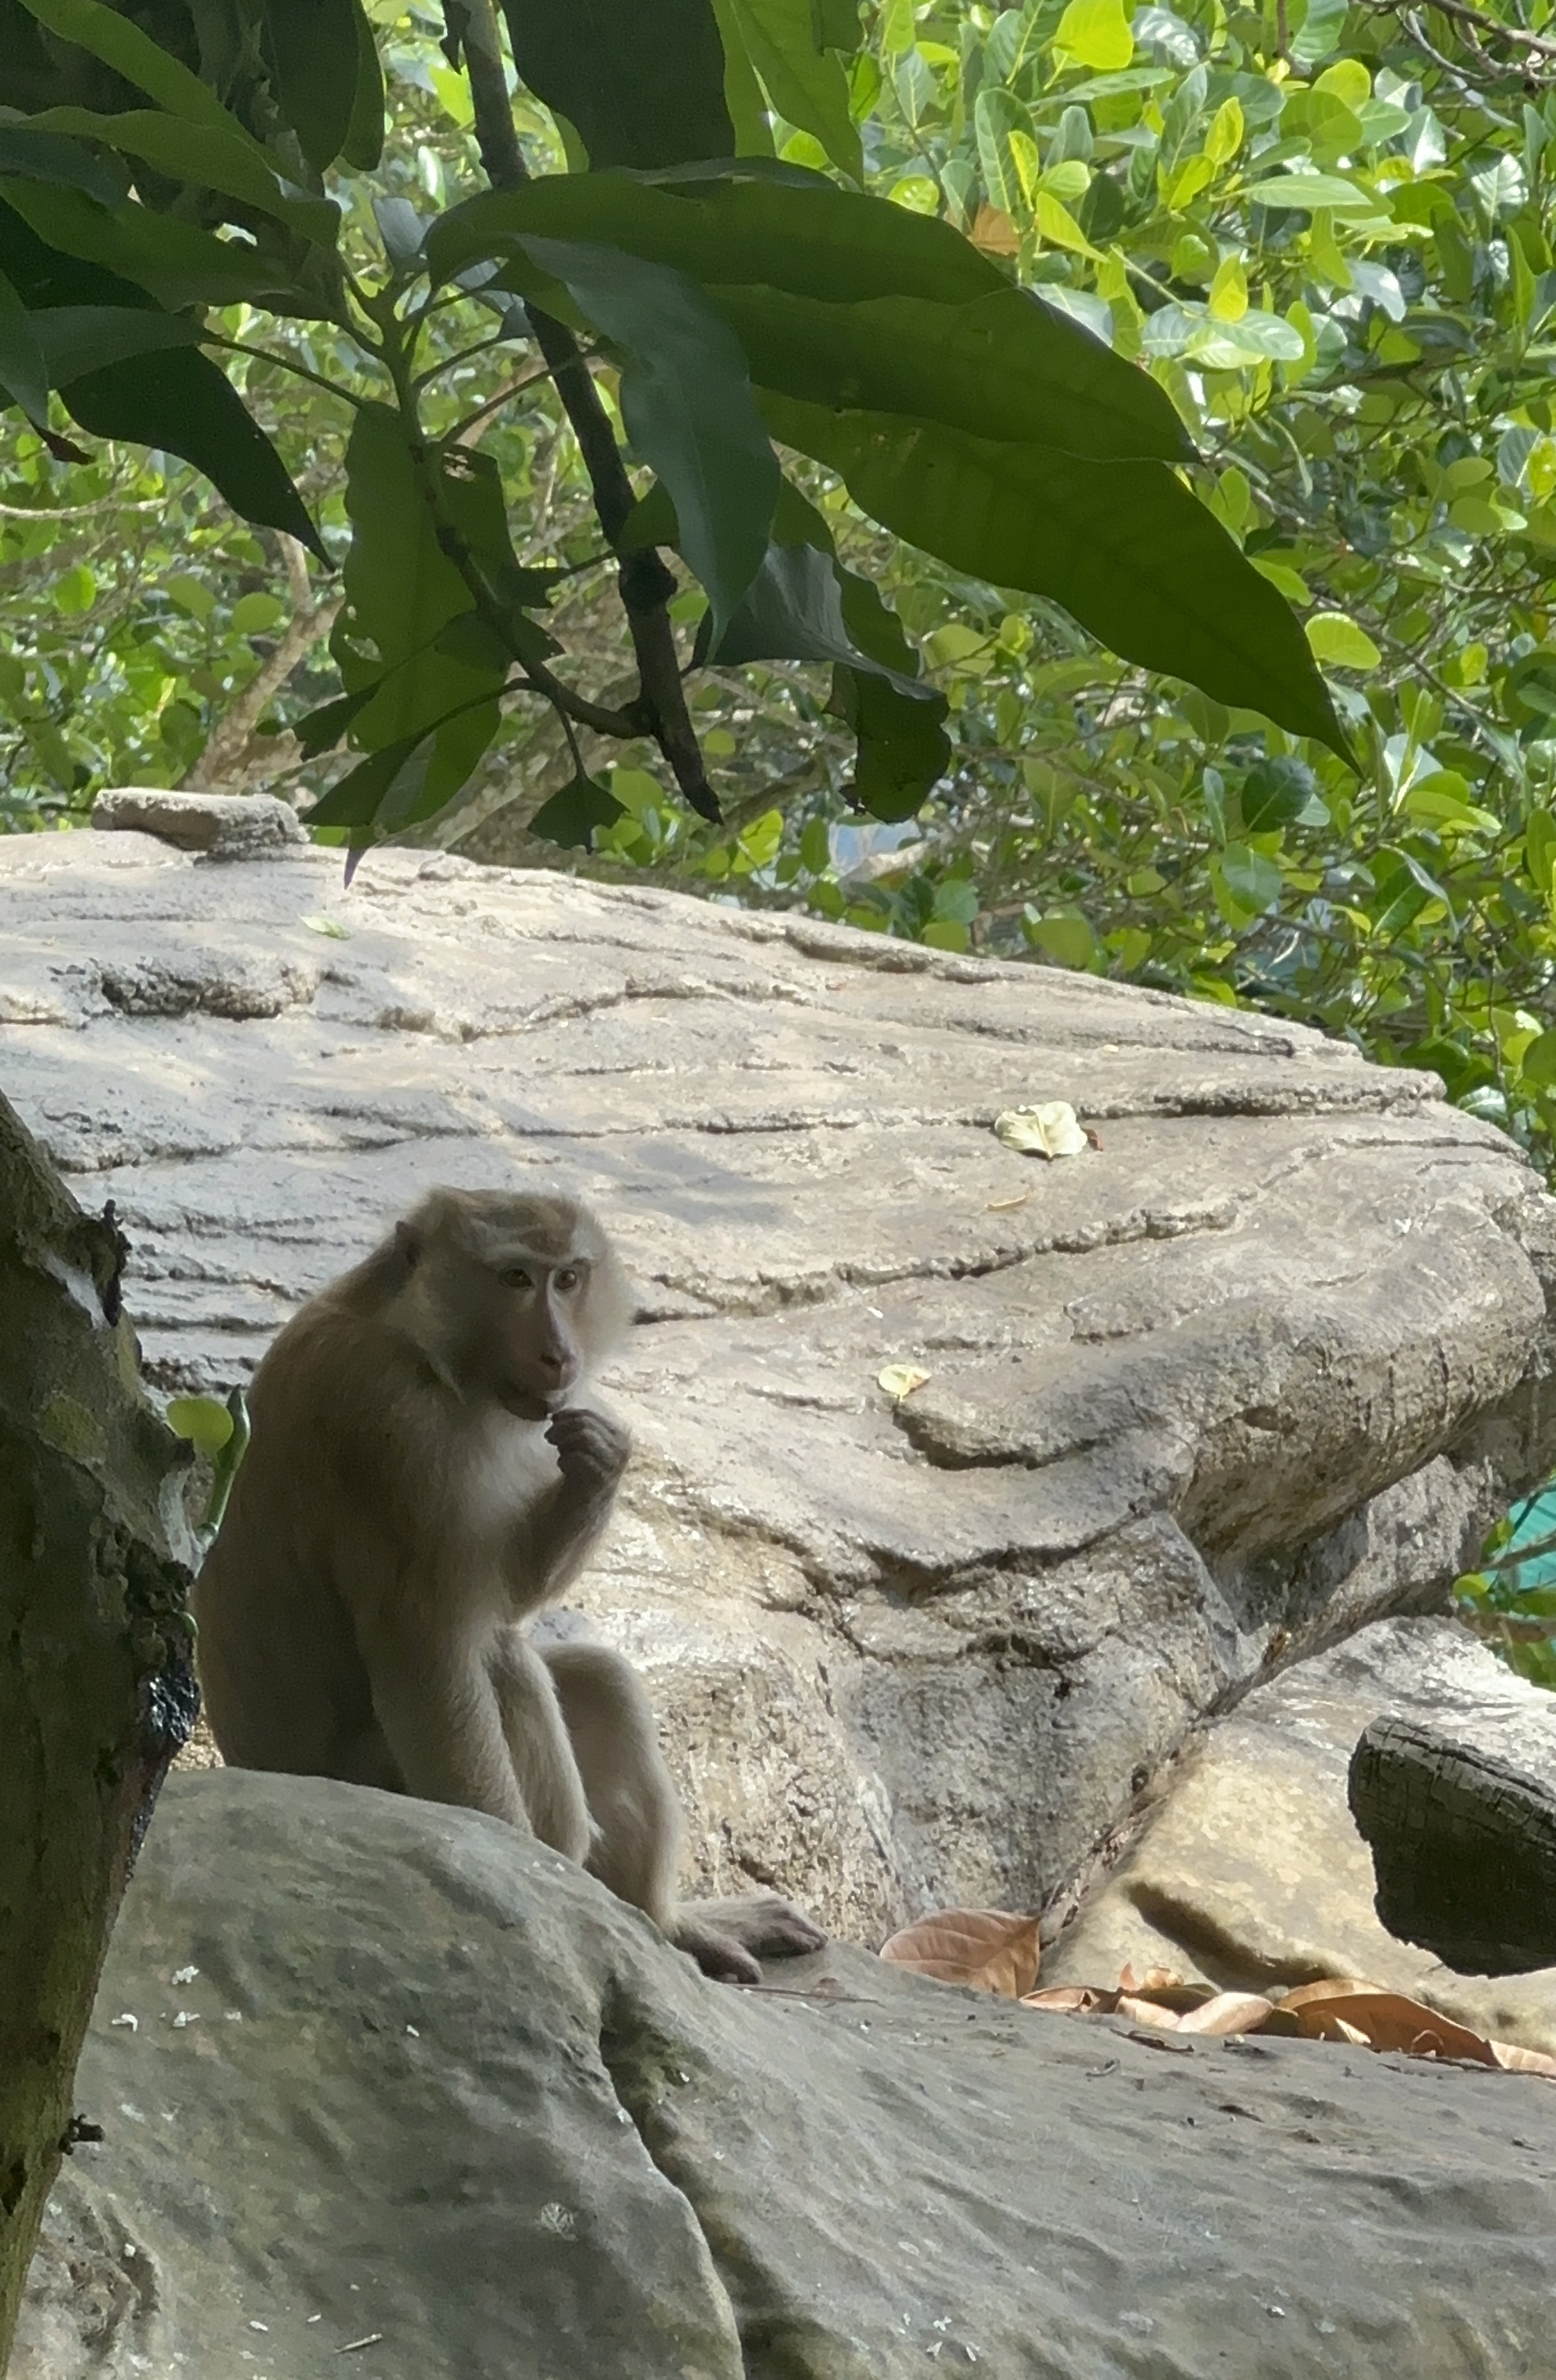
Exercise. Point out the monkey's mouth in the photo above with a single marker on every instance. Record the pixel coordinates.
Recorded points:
(526, 1403)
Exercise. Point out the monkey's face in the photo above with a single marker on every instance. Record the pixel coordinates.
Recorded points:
(537, 1315)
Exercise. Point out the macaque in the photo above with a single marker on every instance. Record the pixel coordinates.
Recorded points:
(427, 1472)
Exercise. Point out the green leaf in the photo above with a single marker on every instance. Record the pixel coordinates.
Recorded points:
(643, 86)
(78, 339)
(685, 398)
(254, 615)
(1096, 33)
(903, 747)
(1335, 638)
(178, 263)
(1311, 193)
(805, 236)
(1004, 366)
(45, 157)
(1254, 882)
(176, 400)
(316, 47)
(792, 611)
(206, 1425)
(354, 800)
(996, 115)
(180, 401)
(805, 80)
(571, 817)
(1538, 1066)
(363, 145)
(328, 724)
(1275, 793)
(214, 159)
(407, 597)
(24, 374)
(1124, 546)
(1539, 849)
(120, 43)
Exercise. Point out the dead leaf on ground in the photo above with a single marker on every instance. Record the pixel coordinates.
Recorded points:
(1382, 2020)
(1155, 1979)
(1008, 1205)
(1515, 2061)
(1050, 1129)
(1071, 1999)
(993, 1949)
(1225, 2014)
(899, 1380)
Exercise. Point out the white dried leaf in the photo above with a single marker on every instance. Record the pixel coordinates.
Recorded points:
(130, 2024)
(899, 1380)
(1049, 1130)
(184, 1974)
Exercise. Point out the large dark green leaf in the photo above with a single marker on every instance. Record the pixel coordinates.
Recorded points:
(111, 35)
(902, 747)
(76, 339)
(176, 262)
(572, 816)
(316, 51)
(1124, 546)
(805, 80)
(214, 159)
(24, 374)
(47, 157)
(802, 235)
(180, 401)
(1004, 367)
(643, 85)
(176, 400)
(404, 596)
(411, 779)
(685, 398)
(364, 134)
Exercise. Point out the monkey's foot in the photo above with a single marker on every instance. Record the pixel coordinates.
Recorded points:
(728, 1937)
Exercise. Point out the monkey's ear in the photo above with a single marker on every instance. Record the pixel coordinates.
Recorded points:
(407, 1244)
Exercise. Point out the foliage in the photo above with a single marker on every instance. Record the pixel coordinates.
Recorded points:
(732, 299)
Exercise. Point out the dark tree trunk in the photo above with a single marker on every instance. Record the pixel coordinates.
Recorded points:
(96, 1686)
(1463, 1849)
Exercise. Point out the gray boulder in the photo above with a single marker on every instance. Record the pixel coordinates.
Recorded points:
(406, 2099)
(227, 826)
(1249, 1873)
(1257, 1369)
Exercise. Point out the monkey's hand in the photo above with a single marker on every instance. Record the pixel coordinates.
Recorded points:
(592, 1452)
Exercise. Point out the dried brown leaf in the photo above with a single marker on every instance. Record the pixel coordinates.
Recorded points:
(1522, 2061)
(1382, 2020)
(1008, 1205)
(1148, 2012)
(995, 233)
(1071, 1999)
(1331, 1987)
(991, 1949)
(1226, 2013)
(1155, 1979)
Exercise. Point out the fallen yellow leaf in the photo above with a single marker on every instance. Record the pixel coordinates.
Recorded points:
(1049, 1130)
(899, 1380)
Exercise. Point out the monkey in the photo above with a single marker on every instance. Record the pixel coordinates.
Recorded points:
(427, 1472)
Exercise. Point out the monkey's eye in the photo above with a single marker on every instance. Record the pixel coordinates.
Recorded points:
(516, 1276)
(568, 1279)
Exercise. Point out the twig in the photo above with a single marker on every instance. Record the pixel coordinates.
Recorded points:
(645, 583)
(226, 746)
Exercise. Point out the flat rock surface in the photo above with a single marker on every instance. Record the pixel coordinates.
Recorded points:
(1252, 1872)
(401, 2086)
(1259, 1368)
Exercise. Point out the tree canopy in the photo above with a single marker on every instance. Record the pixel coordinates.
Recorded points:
(1188, 623)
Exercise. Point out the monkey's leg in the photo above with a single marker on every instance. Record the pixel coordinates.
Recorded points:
(633, 1801)
(540, 1747)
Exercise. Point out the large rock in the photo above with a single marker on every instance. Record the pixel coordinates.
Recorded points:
(1254, 1371)
(1250, 1874)
(401, 2085)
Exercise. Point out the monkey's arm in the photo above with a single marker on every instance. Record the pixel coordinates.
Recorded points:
(556, 1537)
(441, 1718)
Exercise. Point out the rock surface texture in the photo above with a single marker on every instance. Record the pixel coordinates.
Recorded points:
(399, 2084)
(1251, 1875)
(1254, 1371)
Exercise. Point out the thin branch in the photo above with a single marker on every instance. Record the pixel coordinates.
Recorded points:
(227, 747)
(463, 432)
(645, 583)
(267, 356)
